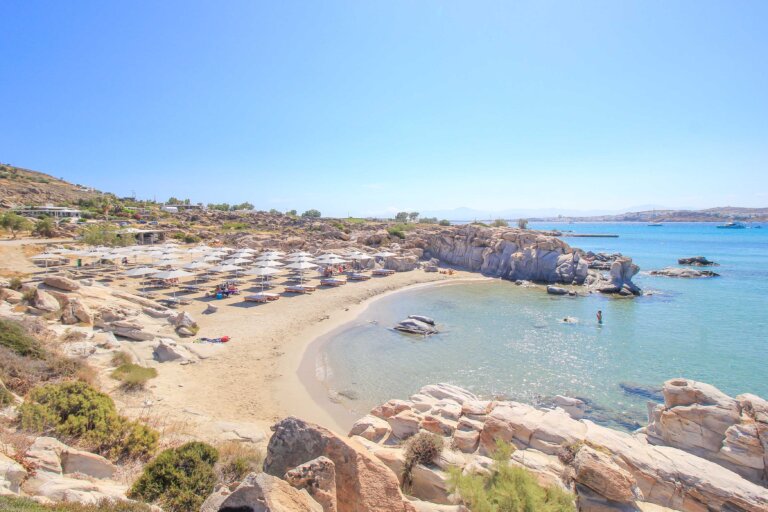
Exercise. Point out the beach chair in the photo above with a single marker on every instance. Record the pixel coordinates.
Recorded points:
(382, 272)
(356, 276)
(333, 281)
(262, 297)
(300, 288)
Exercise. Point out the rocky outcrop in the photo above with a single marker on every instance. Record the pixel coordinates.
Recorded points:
(362, 481)
(609, 470)
(11, 296)
(184, 323)
(63, 473)
(265, 493)
(168, 350)
(44, 301)
(697, 261)
(523, 255)
(76, 311)
(318, 477)
(508, 253)
(12, 474)
(401, 263)
(703, 420)
(683, 272)
(61, 283)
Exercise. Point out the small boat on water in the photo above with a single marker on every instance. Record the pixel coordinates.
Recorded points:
(655, 224)
(732, 225)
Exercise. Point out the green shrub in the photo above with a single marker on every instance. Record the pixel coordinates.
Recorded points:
(45, 227)
(191, 239)
(236, 460)
(423, 448)
(522, 223)
(133, 376)
(76, 411)
(507, 488)
(15, 504)
(400, 229)
(15, 284)
(500, 223)
(179, 479)
(445, 222)
(28, 296)
(14, 337)
(6, 397)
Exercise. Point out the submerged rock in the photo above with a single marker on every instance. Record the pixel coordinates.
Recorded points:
(683, 272)
(697, 261)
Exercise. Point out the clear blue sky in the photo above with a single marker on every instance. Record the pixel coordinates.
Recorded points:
(367, 107)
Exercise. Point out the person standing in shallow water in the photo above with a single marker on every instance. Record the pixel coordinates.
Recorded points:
(599, 317)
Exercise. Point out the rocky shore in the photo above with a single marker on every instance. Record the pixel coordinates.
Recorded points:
(701, 451)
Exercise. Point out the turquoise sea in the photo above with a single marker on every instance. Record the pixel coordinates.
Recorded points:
(498, 339)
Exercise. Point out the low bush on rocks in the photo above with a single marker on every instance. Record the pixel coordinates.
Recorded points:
(236, 460)
(14, 504)
(179, 479)
(15, 284)
(75, 411)
(25, 361)
(14, 337)
(132, 376)
(423, 448)
(508, 488)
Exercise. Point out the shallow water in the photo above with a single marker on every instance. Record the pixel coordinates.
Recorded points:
(499, 339)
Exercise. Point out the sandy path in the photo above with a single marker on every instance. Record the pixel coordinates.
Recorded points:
(13, 255)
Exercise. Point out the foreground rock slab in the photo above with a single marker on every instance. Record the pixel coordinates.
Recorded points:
(363, 483)
(260, 492)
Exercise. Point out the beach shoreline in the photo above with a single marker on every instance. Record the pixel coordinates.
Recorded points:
(300, 370)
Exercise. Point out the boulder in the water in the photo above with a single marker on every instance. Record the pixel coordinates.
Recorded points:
(697, 261)
(421, 318)
(413, 326)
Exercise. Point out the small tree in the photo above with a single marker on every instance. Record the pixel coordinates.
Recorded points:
(445, 222)
(413, 216)
(522, 223)
(45, 227)
(312, 214)
(291, 213)
(500, 223)
(401, 217)
(13, 223)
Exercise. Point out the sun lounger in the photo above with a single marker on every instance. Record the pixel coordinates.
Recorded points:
(300, 288)
(262, 297)
(382, 272)
(333, 281)
(190, 288)
(355, 276)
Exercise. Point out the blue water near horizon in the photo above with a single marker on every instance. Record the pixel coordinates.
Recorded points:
(498, 339)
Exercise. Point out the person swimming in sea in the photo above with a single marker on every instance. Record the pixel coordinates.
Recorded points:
(599, 317)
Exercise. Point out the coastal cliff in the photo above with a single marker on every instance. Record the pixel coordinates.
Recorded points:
(517, 254)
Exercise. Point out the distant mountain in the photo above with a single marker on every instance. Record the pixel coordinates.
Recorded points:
(23, 187)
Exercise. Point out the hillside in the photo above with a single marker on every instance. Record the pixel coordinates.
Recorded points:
(19, 187)
(719, 214)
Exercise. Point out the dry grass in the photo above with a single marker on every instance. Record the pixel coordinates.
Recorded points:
(236, 460)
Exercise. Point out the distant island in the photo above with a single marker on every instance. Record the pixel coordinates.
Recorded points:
(719, 214)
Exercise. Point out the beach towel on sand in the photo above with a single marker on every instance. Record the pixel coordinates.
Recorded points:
(223, 339)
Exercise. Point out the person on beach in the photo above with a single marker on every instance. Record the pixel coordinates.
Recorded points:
(599, 317)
